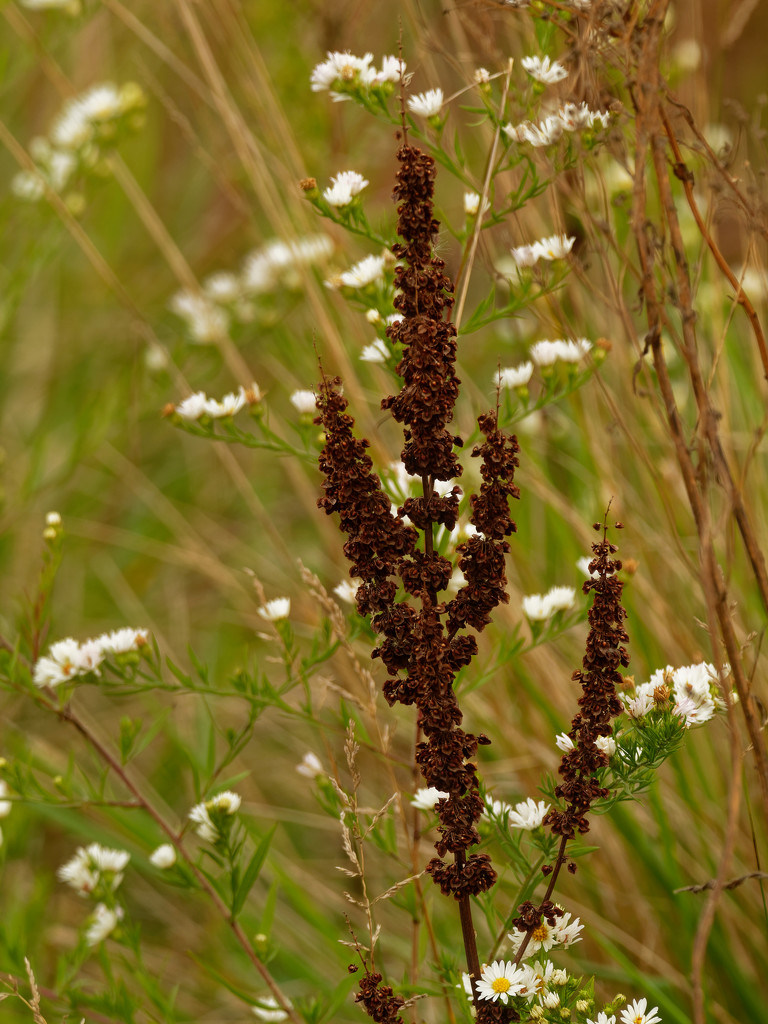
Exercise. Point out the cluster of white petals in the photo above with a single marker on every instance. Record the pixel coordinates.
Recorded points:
(199, 404)
(103, 922)
(637, 1012)
(693, 691)
(528, 814)
(269, 1010)
(92, 866)
(163, 857)
(347, 590)
(368, 271)
(547, 353)
(500, 980)
(563, 933)
(304, 401)
(427, 797)
(539, 607)
(209, 815)
(514, 376)
(544, 70)
(343, 74)
(605, 743)
(226, 296)
(346, 186)
(68, 658)
(472, 204)
(426, 104)
(310, 766)
(555, 247)
(278, 608)
(376, 352)
(569, 118)
(84, 123)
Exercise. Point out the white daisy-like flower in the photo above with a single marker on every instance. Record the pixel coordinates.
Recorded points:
(607, 744)
(574, 116)
(6, 806)
(392, 70)
(94, 864)
(472, 204)
(194, 407)
(310, 766)
(544, 70)
(693, 681)
(560, 598)
(567, 931)
(376, 352)
(347, 590)
(427, 797)
(481, 76)
(555, 247)
(514, 376)
(276, 609)
(163, 857)
(427, 104)
(500, 980)
(108, 861)
(528, 814)
(693, 713)
(575, 350)
(222, 286)
(551, 1000)
(373, 316)
(498, 808)
(346, 186)
(559, 977)
(303, 401)
(339, 67)
(229, 405)
(122, 641)
(546, 353)
(603, 1018)
(103, 922)
(535, 607)
(636, 1013)
(368, 270)
(545, 133)
(268, 1009)
(79, 873)
(564, 742)
(525, 255)
(640, 705)
(542, 937)
(204, 827)
(529, 983)
(89, 656)
(226, 801)
(60, 665)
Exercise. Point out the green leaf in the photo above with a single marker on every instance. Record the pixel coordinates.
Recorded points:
(252, 872)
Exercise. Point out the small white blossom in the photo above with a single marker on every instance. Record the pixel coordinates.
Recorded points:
(228, 406)
(550, 999)
(28, 185)
(278, 608)
(103, 922)
(559, 977)
(426, 104)
(376, 352)
(94, 864)
(204, 827)
(472, 204)
(373, 316)
(603, 1018)
(427, 797)
(636, 1013)
(564, 742)
(310, 766)
(545, 353)
(339, 68)
(515, 376)
(347, 590)
(555, 247)
(303, 401)
(225, 803)
(607, 744)
(498, 808)
(639, 706)
(525, 256)
(52, 519)
(693, 713)
(122, 641)
(528, 814)
(367, 271)
(163, 857)
(535, 607)
(544, 70)
(575, 350)
(500, 980)
(194, 407)
(567, 932)
(482, 76)
(560, 598)
(392, 70)
(346, 186)
(6, 806)
(267, 1009)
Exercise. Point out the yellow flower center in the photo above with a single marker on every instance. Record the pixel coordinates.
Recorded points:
(539, 934)
(500, 985)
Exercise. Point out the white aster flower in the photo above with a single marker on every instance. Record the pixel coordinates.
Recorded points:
(229, 405)
(303, 401)
(122, 641)
(500, 980)
(636, 1013)
(339, 67)
(427, 797)
(79, 873)
(222, 286)
(607, 744)
(268, 1009)
(482, 76)
(694, 682)
(574, 116)
(94, 864)
(204, 827)
(347, 590)
(194, 407)
(564, 742)
(603, 1018)
(108, 861)
(472, 204)
(560, 598)
(6, 806)
(376, 352)
(567, 932)
(61, 664)
(528, 814)
(89, 657)
(546, 133)
(497, 808)
(559, 977)
(555, 247)
(367, 271)
(373, 316)
(546, 353)
(310, 766)
(535, 607)
(693, 713)
(278, 608)
(426, 104)
(515, 376)
(163, 857)
(392, 70)
(544, 70)
(103, 922)
(575, 350)
(346, 186)
(640, 705)
(226, 801)
(525, 255)
(550, 999)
